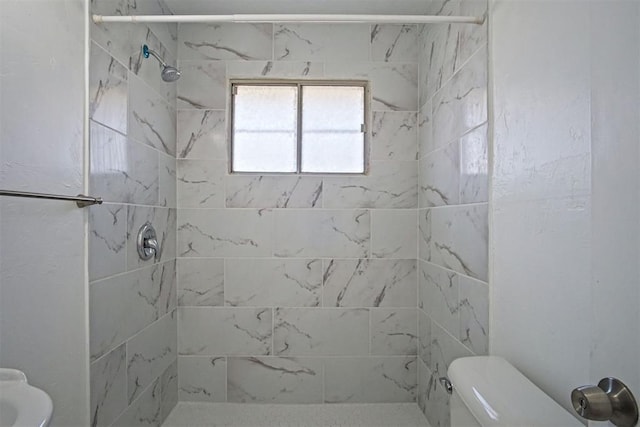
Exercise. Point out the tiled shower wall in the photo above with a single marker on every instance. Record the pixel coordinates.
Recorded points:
(297, 288)
(133, 321)
(453, 232)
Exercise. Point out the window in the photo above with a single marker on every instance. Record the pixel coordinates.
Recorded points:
(298, 127)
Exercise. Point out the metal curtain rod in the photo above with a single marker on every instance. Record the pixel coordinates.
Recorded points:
(265, 18)
(81, 200)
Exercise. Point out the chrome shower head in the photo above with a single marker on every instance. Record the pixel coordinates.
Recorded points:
(169, 74)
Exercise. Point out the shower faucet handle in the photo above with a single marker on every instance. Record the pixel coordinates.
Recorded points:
(610, 400)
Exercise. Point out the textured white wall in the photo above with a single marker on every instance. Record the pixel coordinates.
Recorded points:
(43, 288)
(564, 214)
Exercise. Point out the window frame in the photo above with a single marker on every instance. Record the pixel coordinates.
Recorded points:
(300, 83)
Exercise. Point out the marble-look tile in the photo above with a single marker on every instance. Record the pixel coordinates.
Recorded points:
(202, 378)
(250, 191)
(423, 381)
(339, 233)
(424, 337)
(390, 184)
(321, 332)
(200, 74)
(274, 380)
(107, 90)
(107, 240)
(167, 34)
(120, 170)
(108, 387)
(369, 283)
(444, 350)
(371, 380)
(225, 233)
(394, 87)
(440, 177)
(461, 105)
(393, 233)
(225, 41)
(146, 410)
(394, 331)
(123, 305)
(434, 401)
(151, 119)
(149, 70)
(474, 315)
(424, 234)
(394, 42)
(150, 352)
(167, 195)
(329, 42)
(202, 134)
(169, 389)
(425, 130)
(459, 239)
(200, 183)
(474, 165)
(275, 69)
(164, 222)
(200, 281)
(273, 282)
(222, 331)
(439, 45)
(438, 296)
(394, 135)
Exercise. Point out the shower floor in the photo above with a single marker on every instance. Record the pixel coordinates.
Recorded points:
(196, 414)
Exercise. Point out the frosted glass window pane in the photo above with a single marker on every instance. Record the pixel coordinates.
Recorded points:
(332, 137)
(264, 129)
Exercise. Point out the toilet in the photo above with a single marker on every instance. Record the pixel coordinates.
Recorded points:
(489, 391)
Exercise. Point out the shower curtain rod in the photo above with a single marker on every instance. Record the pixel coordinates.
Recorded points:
(309, 18)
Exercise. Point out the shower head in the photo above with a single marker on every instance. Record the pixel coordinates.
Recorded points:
(169, 74)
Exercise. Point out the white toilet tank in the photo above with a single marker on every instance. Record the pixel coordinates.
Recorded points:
(489, 391)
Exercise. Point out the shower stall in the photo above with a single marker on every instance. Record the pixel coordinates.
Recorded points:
(498, 135)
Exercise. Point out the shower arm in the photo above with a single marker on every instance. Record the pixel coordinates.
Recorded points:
(146, 52)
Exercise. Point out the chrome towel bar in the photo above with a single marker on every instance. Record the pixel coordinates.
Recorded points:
(81, 200)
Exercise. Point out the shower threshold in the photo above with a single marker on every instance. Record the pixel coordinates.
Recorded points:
(192, 414)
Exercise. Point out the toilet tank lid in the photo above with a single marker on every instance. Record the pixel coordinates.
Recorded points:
(497, 394)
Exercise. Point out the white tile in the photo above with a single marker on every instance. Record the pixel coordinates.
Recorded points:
(273, 282)
(369, 283)
(200, 183)
(474, 166)
(107, 90)
(167, 181)
(311, 42)
(195, 76)
(424, 338)
(169, 389)
(224, 233)
(444, 350)
(225, 41)
(394, 42)
(250, 191)
(274, 380)
(390, 184)
(424, 234)
(163, 221)
(107, 240)
(108, 387)
(339, 233)
(394, 331)
(438, 296)
(222, 331)
(202, 134)
(146, 410)
(459, 239)
(200, 281)
(394, 233)
(474, 315)
(150, 352)
(202, 379)
(440, 177)
(321, 332)
(275, 69)
(394, 135)
(380, 379)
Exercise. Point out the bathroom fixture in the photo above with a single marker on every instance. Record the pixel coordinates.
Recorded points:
(147, 242)
(20, 403)
(81, 200)
(489, 391)
(169, 74)
(610, 400)
(266, 18)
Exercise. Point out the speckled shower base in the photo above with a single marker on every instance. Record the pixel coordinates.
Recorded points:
(192, 414)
